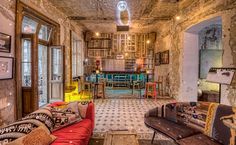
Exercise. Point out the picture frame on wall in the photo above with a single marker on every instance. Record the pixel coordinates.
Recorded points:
(5, 43)
(6, 68)
(165, 57)
(157, 59)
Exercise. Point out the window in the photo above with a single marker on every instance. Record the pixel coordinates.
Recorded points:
(29, 26)
(44, 33)
(26, 63)
(77, 57)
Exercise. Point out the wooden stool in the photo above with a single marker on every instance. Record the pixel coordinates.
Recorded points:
(150, 90)
(99, 90)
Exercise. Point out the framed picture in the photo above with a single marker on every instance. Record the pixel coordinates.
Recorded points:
(6, 68)
(5, 43)
(165, 57)
(158, 59)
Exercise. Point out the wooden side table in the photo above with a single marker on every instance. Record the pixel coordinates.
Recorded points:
(232, 126)
(120, 138)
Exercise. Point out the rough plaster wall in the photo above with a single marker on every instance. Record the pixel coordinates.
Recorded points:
(49, 10)
(7, 87)
(232, 42)
(193, 14)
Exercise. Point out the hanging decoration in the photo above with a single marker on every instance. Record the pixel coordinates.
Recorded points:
(123, 13)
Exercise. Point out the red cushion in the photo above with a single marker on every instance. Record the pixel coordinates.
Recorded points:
(56, 104)
(90, 114)
(78, 133)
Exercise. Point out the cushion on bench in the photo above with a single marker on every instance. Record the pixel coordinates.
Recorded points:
(172, 129)
(199, 139)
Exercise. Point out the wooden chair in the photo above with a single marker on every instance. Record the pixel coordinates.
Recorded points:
(160, 85)
(150, 90)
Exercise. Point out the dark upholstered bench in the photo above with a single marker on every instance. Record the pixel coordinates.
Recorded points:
(190, 123)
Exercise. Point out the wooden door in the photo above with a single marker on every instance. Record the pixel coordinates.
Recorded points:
(28, 67)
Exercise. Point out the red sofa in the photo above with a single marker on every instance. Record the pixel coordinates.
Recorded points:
(78, 133)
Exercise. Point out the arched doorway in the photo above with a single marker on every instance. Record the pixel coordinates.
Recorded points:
(202, 49)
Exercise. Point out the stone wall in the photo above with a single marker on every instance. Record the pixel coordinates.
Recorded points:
(7, 87)
(192, 13)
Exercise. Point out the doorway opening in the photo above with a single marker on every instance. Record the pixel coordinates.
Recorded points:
(202, 50)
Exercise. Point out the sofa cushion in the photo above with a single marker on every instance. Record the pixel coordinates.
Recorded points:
(190, 113)
(83, 106)
(215, 127)
(172, 129)
(199, 139)
(39, 136)
(43, 115)
(62, 117)
(78, 133)
(18, 129)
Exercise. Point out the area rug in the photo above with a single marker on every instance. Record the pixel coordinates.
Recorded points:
(125, 114)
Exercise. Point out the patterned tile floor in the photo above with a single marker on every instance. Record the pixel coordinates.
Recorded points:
(125, 114)
(95, 141)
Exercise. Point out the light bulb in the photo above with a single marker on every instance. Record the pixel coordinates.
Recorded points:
(97, 33)
(177, 17)
(148, 41)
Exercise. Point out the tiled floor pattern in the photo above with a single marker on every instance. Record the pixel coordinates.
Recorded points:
(125, 114)
(95, 141)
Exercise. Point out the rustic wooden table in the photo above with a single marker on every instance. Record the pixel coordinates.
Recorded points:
(120, 138)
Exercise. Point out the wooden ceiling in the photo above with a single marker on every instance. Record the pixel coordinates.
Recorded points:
(101, 15)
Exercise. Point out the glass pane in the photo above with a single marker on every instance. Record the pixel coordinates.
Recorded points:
(29, 25)
(42, 75)
(77, 58)
(44, 33)
(26, 74)
(26, 63)
(26, 51)
(56, 64)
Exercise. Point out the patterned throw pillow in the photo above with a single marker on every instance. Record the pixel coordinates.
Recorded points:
(64, 117)
(83, 106)
(18, 129)
(43, 115)
(73, 107)
(39, 136)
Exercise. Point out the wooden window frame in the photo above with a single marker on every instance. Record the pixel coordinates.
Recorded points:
(24, 10)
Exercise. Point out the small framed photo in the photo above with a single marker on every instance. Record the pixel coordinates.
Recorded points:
(165, 57)
(6, 68)
(157, 59)
(5, 43)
